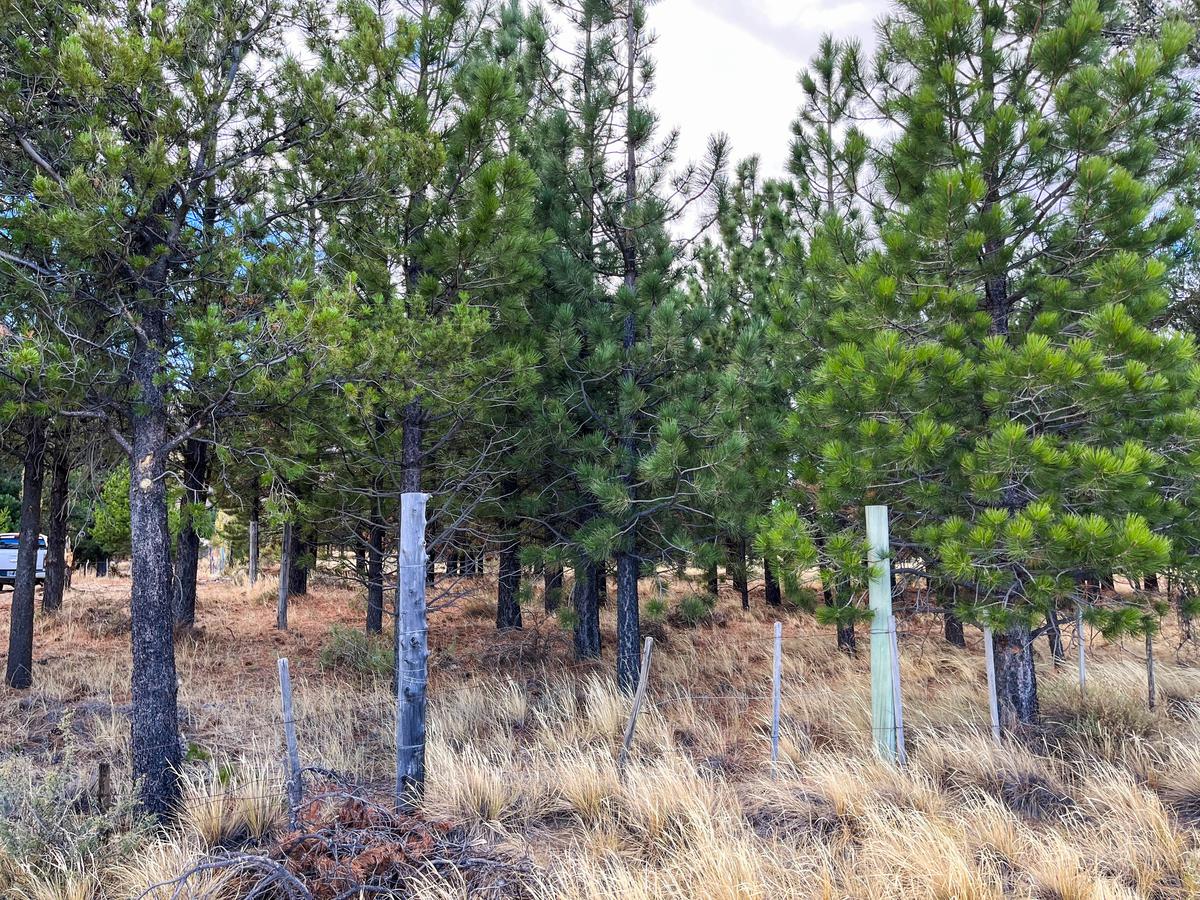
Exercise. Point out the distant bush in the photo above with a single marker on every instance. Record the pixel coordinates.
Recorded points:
(353, 650)
(693, 610)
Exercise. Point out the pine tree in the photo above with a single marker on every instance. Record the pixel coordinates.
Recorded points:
(1001, 382)
(627, 367)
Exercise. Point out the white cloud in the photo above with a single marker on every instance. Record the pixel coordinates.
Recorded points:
(728, 66)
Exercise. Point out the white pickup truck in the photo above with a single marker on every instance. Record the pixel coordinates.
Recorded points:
(8, 559)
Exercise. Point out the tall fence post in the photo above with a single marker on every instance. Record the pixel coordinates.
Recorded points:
(295, 786)
(1079, 635)
(883, 695)
(285, 564)
(898, 700)
(412, 653)
(776, 693)
(989, 656)
(638, 697)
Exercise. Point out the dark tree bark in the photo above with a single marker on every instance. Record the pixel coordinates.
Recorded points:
(629, 637)
(952, 628)
(154, 707)
(299, 560)
(375, 575)
(600, 572)
(552, 584)
(19, 670)
(360, 559)
(255, 515)
(738, 571)
(508, 601)
(771, 590)
(846, 640)
(1016, 677)
(587, 613)
(195, 480)
(711, 580)
(56, 534)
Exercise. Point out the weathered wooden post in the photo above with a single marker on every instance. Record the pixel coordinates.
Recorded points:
(1082, 652)
(898, 700)
(285, 555)
(1151, 691)
(989, 656)
(412, 652)
(883, 695)
(295, 785)
(776, 693)
(638, 697)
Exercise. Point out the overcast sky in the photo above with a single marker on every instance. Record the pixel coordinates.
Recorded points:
(731, 66)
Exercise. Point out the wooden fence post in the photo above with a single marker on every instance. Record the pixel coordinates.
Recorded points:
(776, 693)
(638, 696)
(412, 653)
(1079, 635)
(285, 554)
(1151, 693)
(898, 701)
(883, 695)
(295, 787)
(989, 656)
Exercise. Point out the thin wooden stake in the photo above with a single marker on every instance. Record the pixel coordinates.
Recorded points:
(883, 698)
(638, 696)
(104, 790)
(412, 653)
(776, 693)
(1079, 636)
(285, 556)
(901, 752)
(1151, 693)
(295, 785)
(989, 655)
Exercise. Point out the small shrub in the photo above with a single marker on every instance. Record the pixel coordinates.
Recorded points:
(352, 650)
(656, 610)
(50, 826)
(693, 609)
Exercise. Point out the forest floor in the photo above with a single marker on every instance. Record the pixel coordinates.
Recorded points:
(525, 797)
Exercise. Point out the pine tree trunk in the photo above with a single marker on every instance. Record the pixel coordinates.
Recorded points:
(846, 640)
(629, 637)
(1016, 677)
(56, 536)
(360, 559)
(195, 477)
(600, 573)
(508, 586)
(774, 596)
(375, 575)
(552, 583)
(255, 513)
(19, 669)
(712, 581)
(952, 628)
(587, 613)
(298, 561)
(154, 709)
(741, 580)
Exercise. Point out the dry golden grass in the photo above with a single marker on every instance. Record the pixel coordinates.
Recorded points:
(1103, 802)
